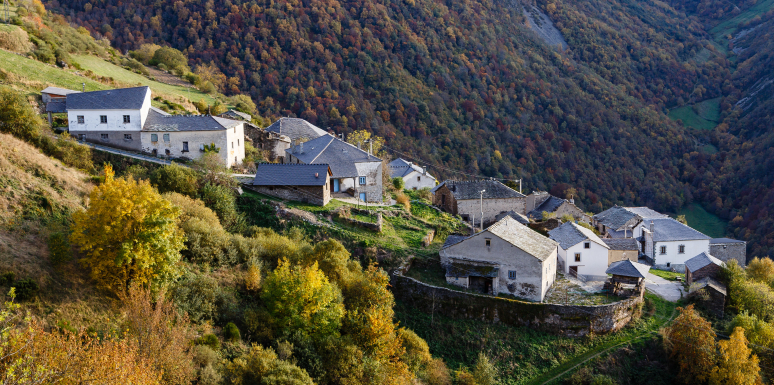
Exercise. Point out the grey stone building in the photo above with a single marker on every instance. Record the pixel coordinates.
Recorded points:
(623, 222)
(539, 202)
(464, 198)
(308, 183)
(701, 266)
(236, 115)
(354, 172)
(297, 130)
(711, 294)
(507, 257)
(725, 249)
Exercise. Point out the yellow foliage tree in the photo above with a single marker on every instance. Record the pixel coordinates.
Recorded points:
(691, 341)
(129, 234)
(736, 365)
(761, 270)
(376, 144)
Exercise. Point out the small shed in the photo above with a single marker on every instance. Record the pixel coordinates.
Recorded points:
(307, 183)
(627, 277)
(711, 293)
(701, 266)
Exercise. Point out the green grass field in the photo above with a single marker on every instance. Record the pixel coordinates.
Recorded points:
(729, 27)
(38, 75)
(707, 118)
(104, 68)
(670, 275)
(701, 220)
(709, 149)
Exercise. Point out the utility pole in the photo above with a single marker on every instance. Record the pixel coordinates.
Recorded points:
(482, 209)
(520, 186)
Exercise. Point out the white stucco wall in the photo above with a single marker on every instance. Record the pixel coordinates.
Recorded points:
(224, 139)
(672, 255)
(416, 180)
(492, 207)
(115, 120)
(593, 260)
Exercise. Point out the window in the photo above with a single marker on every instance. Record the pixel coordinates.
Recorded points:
(127, 119)
(419, 178)
(127, 136)
(103, 119)
(488, 242)
(80, 119)
(154, 137)
(681, 249)
(185, 146)
(362, 180)
(232, 145)
(511, 274)
(587, 245)
(167, 152)
(238, 143)
(577, 257)
(663, 250)
(166, 137)
(103, 136)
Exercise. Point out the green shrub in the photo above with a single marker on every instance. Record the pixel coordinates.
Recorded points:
(222, 201)
(196, 294)
(231, 333)
(175, 178)
(59, 249)
(172, 59)
(7, 278)
(398, 183)
(209, 340)
(26, 289)
(258, 212)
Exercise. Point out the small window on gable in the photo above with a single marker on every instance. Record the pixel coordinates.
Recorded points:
(127, 119)
(681, 249)
(488, 242)
(80, 119)
(511, 274)
(419, 179)
(577, 257)
(587, 245)
(103, 119)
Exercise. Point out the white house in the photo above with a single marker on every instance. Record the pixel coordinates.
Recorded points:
(124, 118)
(581, 252)
(670, 243)
(414, 177)
(354, 171)
(507, 257)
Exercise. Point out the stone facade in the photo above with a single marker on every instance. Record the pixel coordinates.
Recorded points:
(444, 199)
(117, 139)
(731, 250)
(712, 270)
(316, 195)
(567, 320)
(273, 144)
(469, 209)
(188, 144)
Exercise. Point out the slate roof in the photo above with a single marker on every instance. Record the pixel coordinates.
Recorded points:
(399, 168)
(616, 217)
(117, 99)
(275, 174)
(645, 212)
(339, 155)
(513, 232)
(549, 205)
(628, 268)
(56, 106)
(58, 91)
(708, 282)
(295, 128)
(453, 240)
(668, 229)
(725, 240)
(237, 114)
(622, 244)
(471, 189)
(570, 234)
(519, 217)
(157, 121)
(702, 260)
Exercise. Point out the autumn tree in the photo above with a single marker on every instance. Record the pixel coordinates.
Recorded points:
(691, 343)
(209, 72)
(128, 234)
(262, 366)
(736, 363)
(761, 336)
(761, 270)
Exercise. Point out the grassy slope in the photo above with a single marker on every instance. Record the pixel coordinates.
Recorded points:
(701, 220)
(34, 75)
(729, 27)
(707, 118)
(104, 68)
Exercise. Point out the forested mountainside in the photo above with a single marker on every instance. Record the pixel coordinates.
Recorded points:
(466, 79)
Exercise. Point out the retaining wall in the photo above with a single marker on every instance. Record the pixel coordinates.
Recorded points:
(568, 320)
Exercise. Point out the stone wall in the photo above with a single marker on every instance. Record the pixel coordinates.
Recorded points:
(343, 214)
(712, 270)
(728, 251)
(567, 320)
(317, 195)
(114, 138)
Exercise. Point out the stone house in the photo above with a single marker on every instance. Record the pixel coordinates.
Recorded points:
(272, 144)
(581, 252)
(297, 130)
(355, 172)
(701, 266)
(308, 183)
(711, 294)
(236, 115)
(464, 198)
(623, 222)
(539, 202)
(414, 177)
(507, 258)
(726, 249)
(670, 244)
(622, 249)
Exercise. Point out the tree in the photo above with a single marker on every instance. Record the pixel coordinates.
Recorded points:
(210, 73)
(301, 299)
(691, 342)
(243, 103)
(129, 234)
(17, 118)
(262, 366)
(172, 59)
(145, 53)
(485, 372)
(736, 363)
(175, 178)
(761, 270)
(359, 138)
(761, 336)
(398, 183)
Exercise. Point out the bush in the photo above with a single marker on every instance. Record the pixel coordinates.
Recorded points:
(17, 116)
(170, 58)
(136, 66)
(398, 183)
(15, 40)
(416, 352)
(7, 278)
(262, 366)
(257, 212)
(175, 178)
(222, 201)
(209, 340)
(403, 200)
(231, 333)
(26, 289)
(196, 295)
(145, 53)
(243, 103)
(59, 249)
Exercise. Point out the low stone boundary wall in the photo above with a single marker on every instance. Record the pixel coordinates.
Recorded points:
(343, 214)
(568, 320)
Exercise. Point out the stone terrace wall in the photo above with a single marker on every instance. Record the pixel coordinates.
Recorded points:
(568, 320)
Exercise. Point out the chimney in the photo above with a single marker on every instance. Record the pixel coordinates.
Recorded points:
(317, 175)
(301, 147)
(651, 227)
(424, 170)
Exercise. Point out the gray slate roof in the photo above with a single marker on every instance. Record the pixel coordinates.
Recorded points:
(56, 106)
(236, 114)
(702, 260)
(295, 128)
(628, 268)
(708, 282)
(622, 244)
(549, 205)
(339, 155)
(58, 91)
(471, 189)
(519, 217)
(570, 234)
(158, 122)
(117, 99)
(513, 232)
(453, 240)
(399, 168)
(668, 229)
(616, 217)
(725, 240)
(274, 174)
(645, 212)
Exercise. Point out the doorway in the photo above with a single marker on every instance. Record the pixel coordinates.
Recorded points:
(335, 185)
(481, 284)
(574, 271)
(363, 197)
